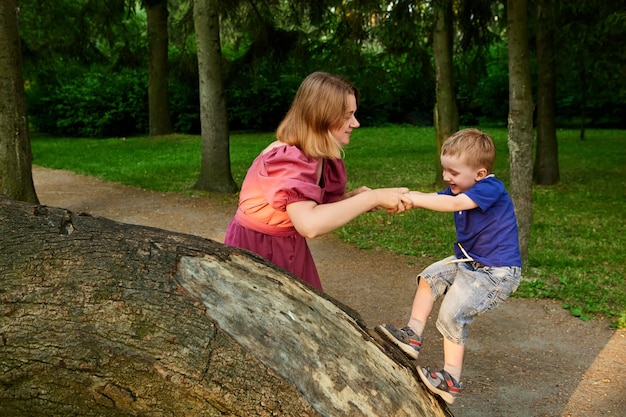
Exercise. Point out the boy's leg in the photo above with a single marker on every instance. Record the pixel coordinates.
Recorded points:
(474, 291)
(422, 307)
(453, 357)
(441, 383)
(455, 313)
(409, 338)
(446, 382)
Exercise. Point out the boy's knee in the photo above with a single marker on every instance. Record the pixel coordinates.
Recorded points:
(451, 329)
(454, 317)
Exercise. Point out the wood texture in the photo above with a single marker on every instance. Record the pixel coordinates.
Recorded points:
(105, 318)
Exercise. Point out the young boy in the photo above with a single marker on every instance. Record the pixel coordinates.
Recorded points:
(485, 269)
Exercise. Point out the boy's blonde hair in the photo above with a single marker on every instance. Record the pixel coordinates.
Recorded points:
(319, 105)
(474, 147)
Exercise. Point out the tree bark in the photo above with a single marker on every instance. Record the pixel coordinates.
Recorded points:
(158, 98)
(215, 174)
(104, 318)
(16, 180)
(583, 97)
(546, 169)
(446, 115)
(520, 123)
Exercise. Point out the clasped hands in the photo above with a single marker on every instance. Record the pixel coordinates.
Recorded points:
(400, 200)
(393, 200)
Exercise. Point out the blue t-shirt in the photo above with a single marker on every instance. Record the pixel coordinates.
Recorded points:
(488, 233)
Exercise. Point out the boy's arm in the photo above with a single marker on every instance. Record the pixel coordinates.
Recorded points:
(442, 202)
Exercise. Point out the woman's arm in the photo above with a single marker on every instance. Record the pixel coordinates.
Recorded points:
(356, 191)
(441, 202)
(311, 219)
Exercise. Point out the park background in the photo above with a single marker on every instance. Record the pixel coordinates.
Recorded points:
(86, 62)
(127, 73)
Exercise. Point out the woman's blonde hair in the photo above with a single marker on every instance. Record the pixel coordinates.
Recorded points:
(474, 147)
(319, 106)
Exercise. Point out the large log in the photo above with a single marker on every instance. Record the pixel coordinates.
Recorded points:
(104, 318)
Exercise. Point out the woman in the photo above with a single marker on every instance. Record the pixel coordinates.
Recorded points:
(295, 189)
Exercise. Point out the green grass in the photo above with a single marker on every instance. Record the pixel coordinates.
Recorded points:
(577, 243)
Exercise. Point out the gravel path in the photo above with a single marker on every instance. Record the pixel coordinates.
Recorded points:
(528, 358)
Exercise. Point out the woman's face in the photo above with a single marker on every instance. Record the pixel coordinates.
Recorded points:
(342, 133)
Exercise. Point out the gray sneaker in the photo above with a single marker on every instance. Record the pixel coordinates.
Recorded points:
(405, 338)
(440, 383)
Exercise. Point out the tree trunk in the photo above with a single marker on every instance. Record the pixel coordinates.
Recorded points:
(446, 115)
(158, 98)
(583, 98)
(104, 318)
(520, 122)
(546, 170)
(16, 179)
(215, 172)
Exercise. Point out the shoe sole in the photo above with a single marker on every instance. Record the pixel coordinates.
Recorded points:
(445, 395)
(407, 349)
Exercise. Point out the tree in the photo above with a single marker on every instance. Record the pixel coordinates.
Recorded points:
(546, 169)
(105, 318)
(520, 123)
(16, 180)
(446, 114)
(215, 174)
(158, 106)
(591, 61)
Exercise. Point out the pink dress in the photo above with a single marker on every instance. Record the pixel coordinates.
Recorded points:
(281, 176)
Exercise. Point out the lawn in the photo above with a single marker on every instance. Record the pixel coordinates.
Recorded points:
(577, 251)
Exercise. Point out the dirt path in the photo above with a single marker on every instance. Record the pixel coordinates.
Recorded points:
(529, 358)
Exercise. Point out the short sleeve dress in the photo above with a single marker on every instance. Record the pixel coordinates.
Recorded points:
(278, 177)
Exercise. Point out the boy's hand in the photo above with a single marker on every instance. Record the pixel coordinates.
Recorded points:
(395, 200)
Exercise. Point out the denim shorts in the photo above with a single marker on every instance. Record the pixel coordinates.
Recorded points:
(470, 289)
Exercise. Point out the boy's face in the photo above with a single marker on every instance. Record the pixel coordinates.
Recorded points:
(459, 175)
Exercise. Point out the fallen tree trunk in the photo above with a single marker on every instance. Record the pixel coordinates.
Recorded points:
(104, 318)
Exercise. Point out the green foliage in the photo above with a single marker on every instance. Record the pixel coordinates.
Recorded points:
(578, 234)
(70, 47)
(578, 231)
(95, 103)
(55, 35)
(184, 106)
(394, 89)
(482, 89)
(590, 62)
(258, 97)
(533, 288)
(184, 96)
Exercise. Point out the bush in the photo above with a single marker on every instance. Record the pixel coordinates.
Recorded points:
(184, 105)
(259, 102)
(97, 103)
(259, 93)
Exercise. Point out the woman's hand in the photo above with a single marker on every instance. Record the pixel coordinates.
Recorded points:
(394, 200)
